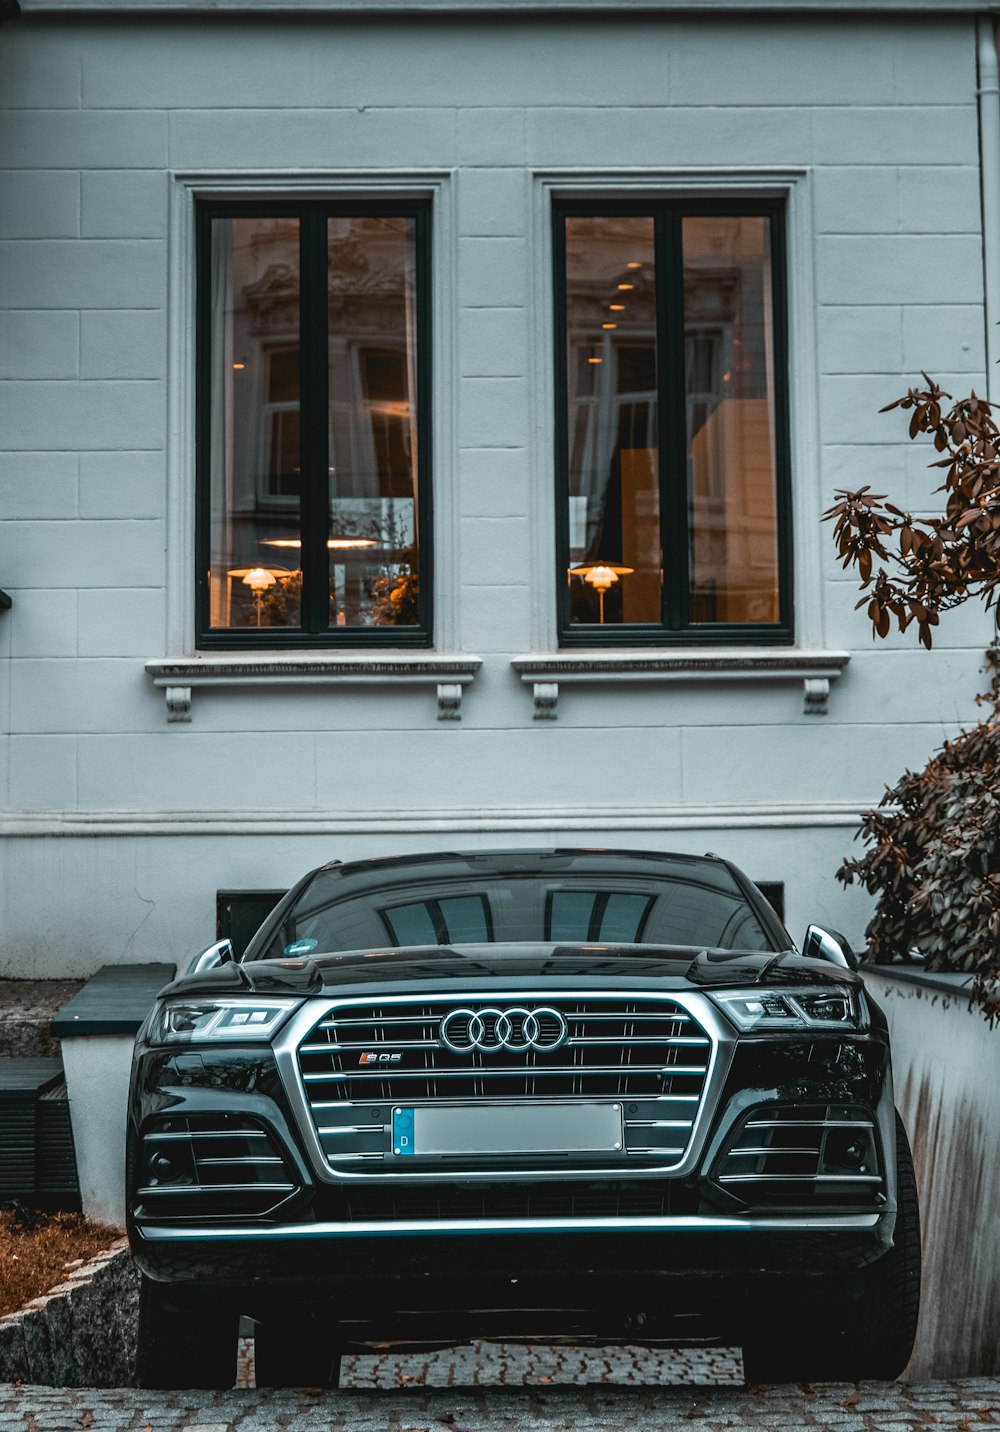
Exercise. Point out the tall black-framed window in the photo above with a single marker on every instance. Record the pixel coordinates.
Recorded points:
(314, 445)
(673, 510)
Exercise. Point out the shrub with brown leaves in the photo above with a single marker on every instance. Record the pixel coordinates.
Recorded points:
(933, 862)
(933, 857)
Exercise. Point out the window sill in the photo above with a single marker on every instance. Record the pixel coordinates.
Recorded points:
(179, 677)
(815, 669)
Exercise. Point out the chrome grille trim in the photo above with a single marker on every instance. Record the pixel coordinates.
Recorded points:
(810, 1124)
(477, 1072)
(156, 1138)
(645, 1009)
(801, 1178)
(200, 1190)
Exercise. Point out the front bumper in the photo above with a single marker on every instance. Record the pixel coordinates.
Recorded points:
(603, 1279)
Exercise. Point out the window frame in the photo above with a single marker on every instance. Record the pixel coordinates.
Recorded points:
(313, 210)
(668, 212)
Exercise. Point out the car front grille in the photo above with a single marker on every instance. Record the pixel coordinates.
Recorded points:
(362, 1060)
(211, 1165)
(823, 1153)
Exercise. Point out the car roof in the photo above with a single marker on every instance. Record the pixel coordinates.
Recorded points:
(504, 860)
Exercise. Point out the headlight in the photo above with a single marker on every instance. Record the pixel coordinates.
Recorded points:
(794, 1009)
(184, 1021)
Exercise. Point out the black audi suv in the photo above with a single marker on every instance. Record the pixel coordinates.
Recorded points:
(583, 1095)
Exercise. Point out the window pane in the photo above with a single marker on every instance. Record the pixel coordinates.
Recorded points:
(732, 477)
(614, 514)
(374, 566)
(254, 524)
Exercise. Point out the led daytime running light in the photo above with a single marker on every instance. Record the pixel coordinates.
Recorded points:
(830, 1008)
(186, 1021)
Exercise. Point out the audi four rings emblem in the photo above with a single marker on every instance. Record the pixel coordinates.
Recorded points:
(515, 1029)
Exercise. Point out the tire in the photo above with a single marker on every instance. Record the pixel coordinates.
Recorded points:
(184, 1339)
(297, 1350)
(840, 1339)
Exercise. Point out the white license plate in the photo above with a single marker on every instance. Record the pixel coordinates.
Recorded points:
(444, 1130)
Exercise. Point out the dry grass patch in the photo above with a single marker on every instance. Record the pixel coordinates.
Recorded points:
(38, 1253)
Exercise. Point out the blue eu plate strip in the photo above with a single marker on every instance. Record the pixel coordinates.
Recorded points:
(402, 1132)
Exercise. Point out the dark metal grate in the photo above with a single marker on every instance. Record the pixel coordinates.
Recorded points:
(538, 1200)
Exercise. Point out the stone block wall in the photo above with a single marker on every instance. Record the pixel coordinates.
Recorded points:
(80, 1334)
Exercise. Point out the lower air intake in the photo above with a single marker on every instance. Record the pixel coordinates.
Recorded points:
(826, 1153)
(211, 1166)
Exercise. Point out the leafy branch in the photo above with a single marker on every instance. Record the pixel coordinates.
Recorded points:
(929, 564)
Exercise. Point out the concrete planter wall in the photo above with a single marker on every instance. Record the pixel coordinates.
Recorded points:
(81, 1333)
(946, 1062)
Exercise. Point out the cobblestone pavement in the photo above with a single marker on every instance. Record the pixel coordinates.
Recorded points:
(496, 1388)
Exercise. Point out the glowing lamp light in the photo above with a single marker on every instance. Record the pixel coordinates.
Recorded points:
(258, 579)
(601, 576)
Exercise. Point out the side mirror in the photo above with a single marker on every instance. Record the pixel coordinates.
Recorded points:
(218, 954)
(829, 945)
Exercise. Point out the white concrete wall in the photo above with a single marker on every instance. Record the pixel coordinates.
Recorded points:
(98, 1068)
(871, 126)
(945, 1058)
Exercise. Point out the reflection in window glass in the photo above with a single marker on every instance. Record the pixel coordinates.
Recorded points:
(729, 348)
(614, 516)
(569, 914)
(623, 917)
(460, 920)
(255, 471)
(703, 907)
(670, 446)
(374, 568)
(577, 915)
(332, 433)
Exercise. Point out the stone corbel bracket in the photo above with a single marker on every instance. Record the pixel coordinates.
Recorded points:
(449, 675)
(546, 673)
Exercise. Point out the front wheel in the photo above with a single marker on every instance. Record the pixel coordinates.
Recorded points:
(185, 1338)
(836, 1339)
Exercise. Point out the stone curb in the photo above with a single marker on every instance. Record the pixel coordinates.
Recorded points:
(79, 1334)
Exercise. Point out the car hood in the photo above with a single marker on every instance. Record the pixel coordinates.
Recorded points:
(673, 967)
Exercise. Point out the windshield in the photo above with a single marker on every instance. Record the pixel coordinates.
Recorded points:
(682, 902)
